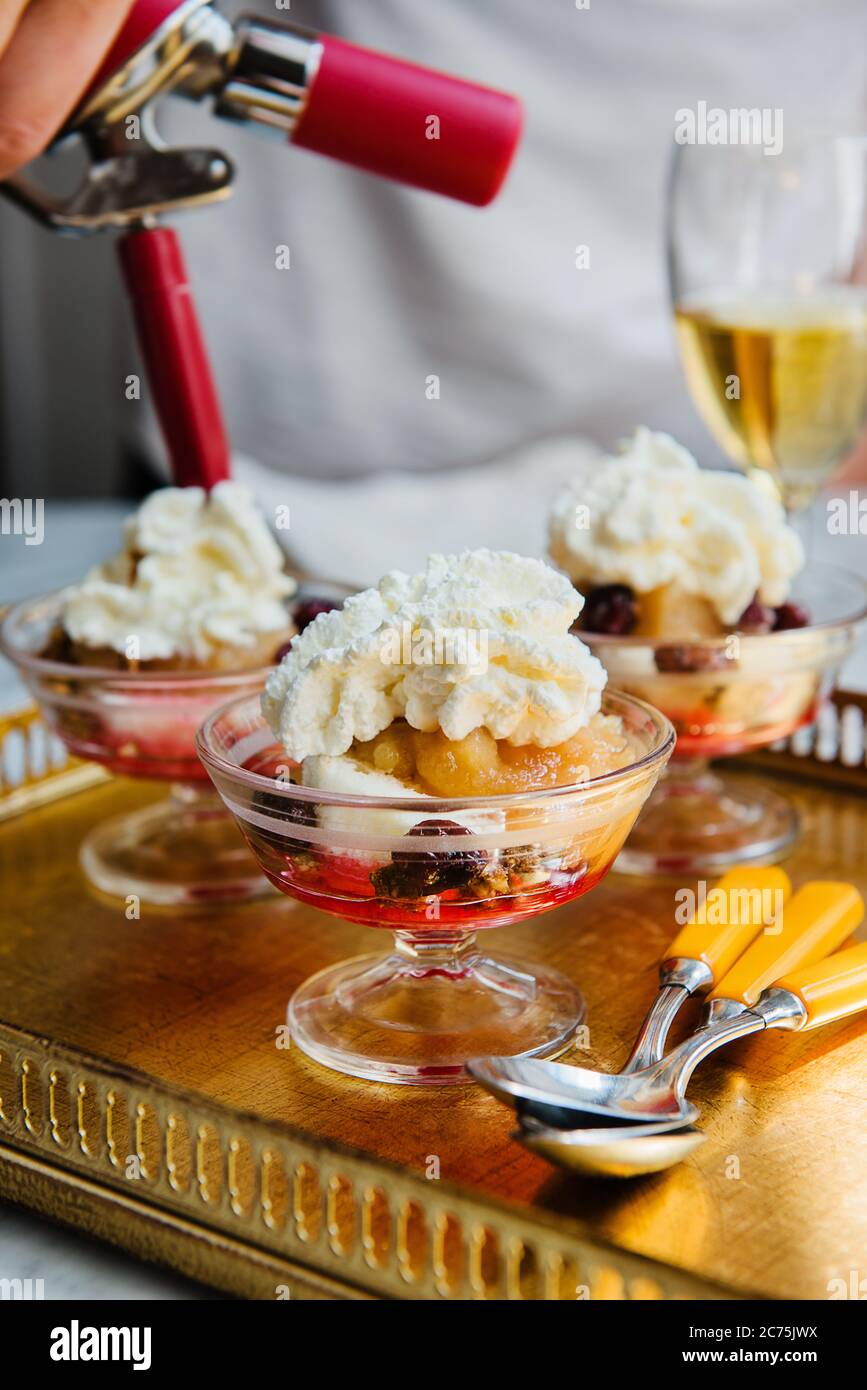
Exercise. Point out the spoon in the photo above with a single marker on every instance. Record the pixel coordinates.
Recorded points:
(602, 1144)
(812, 997)
(647, 1148)
(808, 998)
(702, 953)
(816, 920)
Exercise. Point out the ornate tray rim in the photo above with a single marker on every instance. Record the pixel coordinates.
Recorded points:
(261, 1183)
(261, 1209)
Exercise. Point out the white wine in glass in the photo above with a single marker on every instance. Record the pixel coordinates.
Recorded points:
(770, 315)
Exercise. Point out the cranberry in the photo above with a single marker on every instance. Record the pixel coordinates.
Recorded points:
(419, 873)
(290, 812)
(310, 608)
(610, 609)
(689, 660)
(439, 827)
(756, 617)
(471, 858)
(790, 615)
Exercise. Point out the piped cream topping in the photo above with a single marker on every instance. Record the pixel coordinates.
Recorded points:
(650, 516)
(477, 640)
(199, 572)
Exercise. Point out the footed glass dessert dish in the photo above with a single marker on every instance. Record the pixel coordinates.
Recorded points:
(434, 872)
(142, 724)
(727, 695)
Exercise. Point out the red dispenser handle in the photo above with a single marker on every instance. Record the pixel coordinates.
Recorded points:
(365, 108)
(409, 123)
(175, 356)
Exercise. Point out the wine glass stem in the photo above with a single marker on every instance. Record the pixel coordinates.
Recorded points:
(802, 520)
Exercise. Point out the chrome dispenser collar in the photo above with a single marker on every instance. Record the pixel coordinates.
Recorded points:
(273, 68)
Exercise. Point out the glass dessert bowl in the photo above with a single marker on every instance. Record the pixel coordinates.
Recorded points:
(194, 608)
(698, 599)
(142, 724)
(435, 757)
(729, 695)
(434, 871)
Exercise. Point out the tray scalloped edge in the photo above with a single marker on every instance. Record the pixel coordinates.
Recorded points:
(339, 1219)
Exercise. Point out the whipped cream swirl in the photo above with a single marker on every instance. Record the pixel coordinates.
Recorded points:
(199, 572)
(650, 516)
(518, 672)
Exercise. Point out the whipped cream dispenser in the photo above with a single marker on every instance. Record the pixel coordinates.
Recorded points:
(378, 113)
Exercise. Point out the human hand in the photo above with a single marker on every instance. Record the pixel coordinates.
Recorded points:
(49, 51)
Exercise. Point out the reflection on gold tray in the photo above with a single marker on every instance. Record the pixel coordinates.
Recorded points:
(144, 1098)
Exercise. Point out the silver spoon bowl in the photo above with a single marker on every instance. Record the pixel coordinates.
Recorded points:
(656, 1093)
(616, 1151)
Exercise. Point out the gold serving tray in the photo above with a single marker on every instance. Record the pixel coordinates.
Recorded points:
(144, 1096)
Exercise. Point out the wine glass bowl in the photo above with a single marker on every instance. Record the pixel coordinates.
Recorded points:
(767, 275)
(729, 695)
(435, 872)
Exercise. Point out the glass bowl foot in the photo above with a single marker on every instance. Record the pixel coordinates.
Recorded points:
(186, 849)
(416, 1015)
(699, 821)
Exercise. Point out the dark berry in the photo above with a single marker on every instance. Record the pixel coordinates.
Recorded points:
(790, 615)
(689, 660)
(451, 860)
(282, 651)
(610, 609)
(419, 873)
(439, 827)
(756, 617)
(284, 809)
(310, 608)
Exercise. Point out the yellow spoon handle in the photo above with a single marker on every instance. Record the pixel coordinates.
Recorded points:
(831, 988)
(815, 921)
(731, 916)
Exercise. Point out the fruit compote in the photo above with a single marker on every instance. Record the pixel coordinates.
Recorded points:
(480, 765)
(490, 866)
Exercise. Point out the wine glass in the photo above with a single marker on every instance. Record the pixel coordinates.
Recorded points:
(768, 273)
(434, 872)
